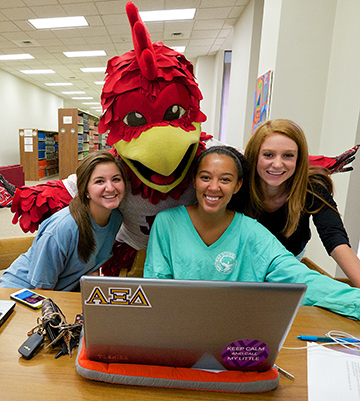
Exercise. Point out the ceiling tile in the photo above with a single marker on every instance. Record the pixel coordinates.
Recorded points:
(21, 13)
(40, 2)
(216, 3)
(224, 33)
(204, 34)
(208, 24)
(174, 36)
(241, 2)
(93, 31)
(18, 35)
(85, 9)
(178, 26)
(200, 42)
(8, 26)
(237, 11)
(116, 19)
(110, 7)
(148, 5)
(49, 11)
(69, 33)
(94, 20)
(10, 4)
(174, 4)
(213, 13)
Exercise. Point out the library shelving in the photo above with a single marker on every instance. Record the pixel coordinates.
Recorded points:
(77, 130)
(39, 150)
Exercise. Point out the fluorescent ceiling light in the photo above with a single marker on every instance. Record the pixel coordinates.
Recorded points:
(89, 53)
(29, 72)
(93, 69)
(24, 56)
(96, 108)
(179, 49)
(61, 22)
(73, 93)
(92, 103)
(82, 98)
(58, 84)
(168, 15)
(99, 82)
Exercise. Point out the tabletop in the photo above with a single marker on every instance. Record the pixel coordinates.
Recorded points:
(44, 377)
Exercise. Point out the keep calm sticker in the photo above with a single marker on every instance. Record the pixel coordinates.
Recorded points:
(245, 353)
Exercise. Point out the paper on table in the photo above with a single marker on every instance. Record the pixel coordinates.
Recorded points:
(333, 375)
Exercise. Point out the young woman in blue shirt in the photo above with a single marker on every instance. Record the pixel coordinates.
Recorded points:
(78, 239)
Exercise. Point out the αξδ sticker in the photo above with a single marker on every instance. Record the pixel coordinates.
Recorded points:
(245, 353)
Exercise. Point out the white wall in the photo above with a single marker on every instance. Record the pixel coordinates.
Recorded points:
(269, 36)
(23, 105)
(304, 37)
(244, 69)
(204, 70)
(340, 125)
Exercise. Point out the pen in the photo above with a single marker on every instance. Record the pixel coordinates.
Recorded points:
(327, 339)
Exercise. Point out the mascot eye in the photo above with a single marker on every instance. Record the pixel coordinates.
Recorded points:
(174, 112)
(134, 119)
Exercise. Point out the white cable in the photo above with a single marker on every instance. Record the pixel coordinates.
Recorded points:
(334, 335)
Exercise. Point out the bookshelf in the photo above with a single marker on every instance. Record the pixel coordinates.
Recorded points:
(78, 136)
(38, 153)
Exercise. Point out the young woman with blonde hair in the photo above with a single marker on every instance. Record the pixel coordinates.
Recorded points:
(283, 192)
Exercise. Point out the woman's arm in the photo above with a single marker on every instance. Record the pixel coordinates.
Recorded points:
(334, 237)
(322, 291)
(346, 258)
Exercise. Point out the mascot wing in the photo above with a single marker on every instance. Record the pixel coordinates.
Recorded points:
(335, 164)
(32, 205)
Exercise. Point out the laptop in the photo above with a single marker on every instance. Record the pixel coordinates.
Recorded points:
(6, 308)
(217, 325)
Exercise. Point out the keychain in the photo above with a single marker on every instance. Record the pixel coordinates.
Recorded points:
(32, 345)
(52, 324)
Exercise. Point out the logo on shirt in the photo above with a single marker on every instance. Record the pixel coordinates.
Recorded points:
(225, 262)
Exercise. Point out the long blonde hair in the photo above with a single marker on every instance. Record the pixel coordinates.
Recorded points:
(79, 206)
(297, 186)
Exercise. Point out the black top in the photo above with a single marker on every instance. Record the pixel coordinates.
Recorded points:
(328, 224)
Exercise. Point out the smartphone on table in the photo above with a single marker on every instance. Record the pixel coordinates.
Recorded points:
(28, 298)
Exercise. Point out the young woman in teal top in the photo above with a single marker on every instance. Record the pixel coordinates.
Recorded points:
(209, 241)
(78, 239)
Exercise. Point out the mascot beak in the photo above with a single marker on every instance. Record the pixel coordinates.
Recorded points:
(154, 158)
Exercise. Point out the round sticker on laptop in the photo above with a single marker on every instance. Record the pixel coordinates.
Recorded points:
(245, 353)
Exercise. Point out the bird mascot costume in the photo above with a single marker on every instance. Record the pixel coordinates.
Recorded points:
(151, 111)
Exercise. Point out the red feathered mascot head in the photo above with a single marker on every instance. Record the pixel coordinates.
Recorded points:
(151, 106)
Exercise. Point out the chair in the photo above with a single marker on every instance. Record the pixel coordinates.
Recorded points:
(313, 266)
(11, 248)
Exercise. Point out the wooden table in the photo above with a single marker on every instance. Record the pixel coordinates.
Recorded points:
(46, 378)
